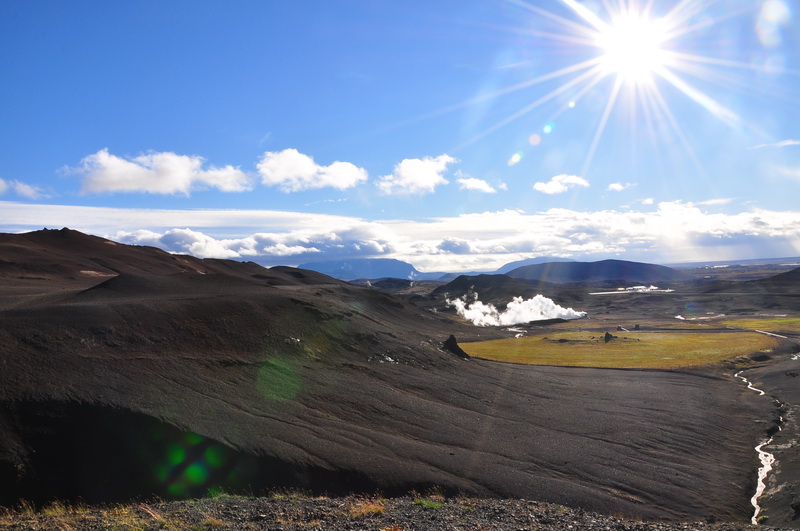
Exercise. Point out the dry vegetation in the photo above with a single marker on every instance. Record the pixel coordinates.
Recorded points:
(630, 350)
(296, 511)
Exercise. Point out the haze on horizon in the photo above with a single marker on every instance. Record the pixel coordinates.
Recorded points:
(456, 136)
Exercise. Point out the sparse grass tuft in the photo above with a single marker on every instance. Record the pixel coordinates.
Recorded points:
(366, 507)
(435, 493)
(209, 523)
(59, 508)
(428, 504)
(290, 494)
(467, 504)
(26, 508)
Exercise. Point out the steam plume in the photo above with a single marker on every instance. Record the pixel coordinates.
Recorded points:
(517, 311)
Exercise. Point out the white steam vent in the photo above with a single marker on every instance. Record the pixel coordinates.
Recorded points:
(518, 311)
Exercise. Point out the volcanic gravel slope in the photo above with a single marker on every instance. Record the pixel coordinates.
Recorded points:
(178, 374)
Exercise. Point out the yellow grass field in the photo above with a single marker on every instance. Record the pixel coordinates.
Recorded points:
(634, 350)
(767, 324)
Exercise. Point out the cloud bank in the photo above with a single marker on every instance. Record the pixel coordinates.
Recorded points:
(517, 311)
(669, 232)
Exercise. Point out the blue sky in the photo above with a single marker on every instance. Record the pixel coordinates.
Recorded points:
(455, 135)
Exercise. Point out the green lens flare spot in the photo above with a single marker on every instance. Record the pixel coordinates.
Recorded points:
(175, 454)
(162, 473)
(193, 438)
(278, 380)
(214, 456)
(178, 490)
(196, 474)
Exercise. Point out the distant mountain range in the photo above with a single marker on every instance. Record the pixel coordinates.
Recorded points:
(604, 270)
(369, 268)
(546, 269)
(530, 261)
(376, 268)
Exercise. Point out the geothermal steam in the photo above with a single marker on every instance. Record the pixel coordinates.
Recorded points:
(517, 311)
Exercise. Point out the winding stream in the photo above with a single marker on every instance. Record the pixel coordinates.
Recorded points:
(766, 458)
(749, 385)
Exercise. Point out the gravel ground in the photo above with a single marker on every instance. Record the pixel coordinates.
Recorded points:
(297, 512)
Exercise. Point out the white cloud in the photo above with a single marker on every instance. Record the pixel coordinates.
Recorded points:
(333, 237)
(717, 202)
(560, 184)
(781, 144)
(282, 249)
(471, 183)
(156, 173)
(27, 190)
(293, 171)
(183, 241)
(789, 171)
(618, 187)
(648, 201)
(22, 189)
(455, 246)
(416, 176)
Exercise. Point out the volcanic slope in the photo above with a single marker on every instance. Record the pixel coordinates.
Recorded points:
(230, 375)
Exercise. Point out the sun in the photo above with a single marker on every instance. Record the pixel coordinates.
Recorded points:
(648, 49)
(631, 47)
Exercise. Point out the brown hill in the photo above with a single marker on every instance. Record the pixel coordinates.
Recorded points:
(785, 282)
(181, 375)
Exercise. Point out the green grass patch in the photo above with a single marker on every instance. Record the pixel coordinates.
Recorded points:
(428, 504)
(767, 324)
(633, 350)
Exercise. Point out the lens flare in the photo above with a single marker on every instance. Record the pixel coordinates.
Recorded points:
(189, 464)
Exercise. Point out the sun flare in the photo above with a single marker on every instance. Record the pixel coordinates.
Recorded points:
(648, 51)
(632, 48)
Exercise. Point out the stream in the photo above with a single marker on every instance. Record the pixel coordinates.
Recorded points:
(766, 458)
